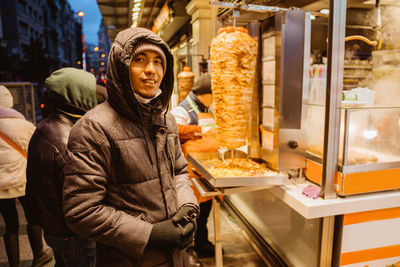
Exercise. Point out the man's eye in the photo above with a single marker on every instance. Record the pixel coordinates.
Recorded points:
(138, 59)
(157, 61)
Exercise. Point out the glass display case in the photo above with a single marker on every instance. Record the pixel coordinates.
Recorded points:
(369, 151)
(386, 76)
(386, 63)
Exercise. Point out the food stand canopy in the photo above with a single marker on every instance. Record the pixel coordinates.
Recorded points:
(117, 16)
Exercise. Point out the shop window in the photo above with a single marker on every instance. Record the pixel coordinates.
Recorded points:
(14, 50)
(21, 5)
(23, 27)
(45, 19)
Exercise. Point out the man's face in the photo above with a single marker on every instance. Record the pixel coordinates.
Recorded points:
(146, 73)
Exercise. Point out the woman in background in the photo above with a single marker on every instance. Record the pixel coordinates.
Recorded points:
(15, 133)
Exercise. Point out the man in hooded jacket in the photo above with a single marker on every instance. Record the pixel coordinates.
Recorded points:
(71, 92)
(126, 183)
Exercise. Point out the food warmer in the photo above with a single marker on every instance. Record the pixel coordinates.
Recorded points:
(369, 151)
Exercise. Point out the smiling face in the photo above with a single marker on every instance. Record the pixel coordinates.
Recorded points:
(146, 73)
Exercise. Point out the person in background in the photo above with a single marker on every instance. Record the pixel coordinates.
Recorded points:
(196, 127)
(125, 178)
(15, 133)
(71, 92)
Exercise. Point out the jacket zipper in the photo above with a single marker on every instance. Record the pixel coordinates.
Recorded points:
(169, 158)
(158, 167)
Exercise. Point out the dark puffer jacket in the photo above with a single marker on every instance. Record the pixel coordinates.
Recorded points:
(125, 169)
(71, 91)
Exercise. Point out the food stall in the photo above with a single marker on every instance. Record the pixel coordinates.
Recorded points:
(287, 114)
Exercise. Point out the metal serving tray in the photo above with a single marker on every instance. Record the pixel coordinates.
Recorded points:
(197, 160)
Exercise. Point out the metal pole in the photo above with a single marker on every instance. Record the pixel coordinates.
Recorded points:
(337, 27)
(25, 101)
(346, 132)
(217, 232)
(248, 7)
(33, 104)
(326, 245)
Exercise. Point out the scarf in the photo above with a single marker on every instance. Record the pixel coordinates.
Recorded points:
(144, 100)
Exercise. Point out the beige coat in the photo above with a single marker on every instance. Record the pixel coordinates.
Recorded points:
(12, 163)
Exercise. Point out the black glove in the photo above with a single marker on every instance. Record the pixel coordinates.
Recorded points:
(186, 214)
(167, 234)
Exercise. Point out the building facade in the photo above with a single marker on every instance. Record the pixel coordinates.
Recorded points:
(104, 45)
(92, 58)
(38, 32)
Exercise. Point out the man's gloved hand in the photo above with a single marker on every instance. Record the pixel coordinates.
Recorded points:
(185, 214)
(167, 234)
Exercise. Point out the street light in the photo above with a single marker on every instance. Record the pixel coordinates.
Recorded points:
(80, 15)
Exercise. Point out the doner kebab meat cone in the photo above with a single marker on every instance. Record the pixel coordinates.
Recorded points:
(185, 82)
(233, 55)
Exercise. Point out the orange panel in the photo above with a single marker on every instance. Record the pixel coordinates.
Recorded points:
(363, 182)
(313, 173)
(357, 183)
(370, 255)
(368, 216)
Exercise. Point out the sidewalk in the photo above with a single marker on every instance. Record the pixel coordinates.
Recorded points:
(238, 251)
(25, 251)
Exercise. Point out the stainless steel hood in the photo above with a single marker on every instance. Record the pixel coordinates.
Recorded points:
(117, 16)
